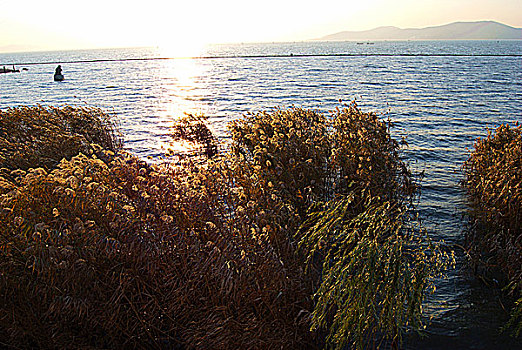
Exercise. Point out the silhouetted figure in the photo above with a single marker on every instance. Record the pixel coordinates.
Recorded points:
(58, 73)
(8, 70)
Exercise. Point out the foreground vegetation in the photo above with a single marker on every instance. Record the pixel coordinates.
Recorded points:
(494, 186)
(301, 234)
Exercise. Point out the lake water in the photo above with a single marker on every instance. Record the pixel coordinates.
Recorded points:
(442, 96)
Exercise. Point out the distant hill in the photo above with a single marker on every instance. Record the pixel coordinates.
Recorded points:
(485, 30)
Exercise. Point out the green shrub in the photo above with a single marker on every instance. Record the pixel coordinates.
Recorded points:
(494, 187)
(376, 268)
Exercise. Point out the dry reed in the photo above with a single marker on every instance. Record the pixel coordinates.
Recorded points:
(494, 186)
(100, 249)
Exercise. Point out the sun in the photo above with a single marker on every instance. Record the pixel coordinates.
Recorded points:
(179, 38)
(184, 47)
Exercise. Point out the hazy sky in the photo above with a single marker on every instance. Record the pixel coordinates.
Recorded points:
(186, 25)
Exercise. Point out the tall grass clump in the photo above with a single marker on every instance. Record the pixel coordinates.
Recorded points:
(99, 249)
(494, 187)
(42, 136)
(300, 234)
(376, 268)
(348, 195)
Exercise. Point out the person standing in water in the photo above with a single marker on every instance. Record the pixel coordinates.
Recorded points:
(58, 76)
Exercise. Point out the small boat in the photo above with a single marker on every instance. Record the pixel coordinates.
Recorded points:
(58, 77)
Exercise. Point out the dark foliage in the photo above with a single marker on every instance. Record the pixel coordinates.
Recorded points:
(494, 186)
(99, 249)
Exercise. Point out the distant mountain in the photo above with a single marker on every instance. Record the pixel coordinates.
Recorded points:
(454, 31)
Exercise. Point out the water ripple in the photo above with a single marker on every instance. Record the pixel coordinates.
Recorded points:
(440, 104)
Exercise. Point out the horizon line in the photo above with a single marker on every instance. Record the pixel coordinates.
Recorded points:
(240, 43)
(35, 48)
(264, 56)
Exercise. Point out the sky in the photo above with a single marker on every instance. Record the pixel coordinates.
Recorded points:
(185, 26)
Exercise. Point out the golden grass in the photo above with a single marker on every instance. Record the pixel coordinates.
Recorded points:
(100, 249)
(41, 136)
(494, 186)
